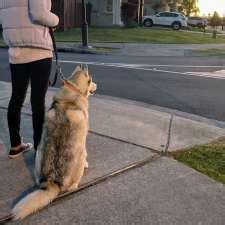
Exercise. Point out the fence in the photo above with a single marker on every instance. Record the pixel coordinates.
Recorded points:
(69, 12)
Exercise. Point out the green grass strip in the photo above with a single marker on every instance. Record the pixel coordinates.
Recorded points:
(138, 35)
(208, 159)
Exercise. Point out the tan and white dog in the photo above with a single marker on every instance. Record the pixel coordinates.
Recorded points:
(61, 156)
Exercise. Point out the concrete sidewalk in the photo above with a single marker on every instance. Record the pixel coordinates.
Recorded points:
(138, 49)
(123, 132)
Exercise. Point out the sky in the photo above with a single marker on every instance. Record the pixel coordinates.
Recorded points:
(209, 6)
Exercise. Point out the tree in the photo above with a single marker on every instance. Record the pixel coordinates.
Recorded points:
(189, 7)
(216, 20)
(157, 6)
(223, 22)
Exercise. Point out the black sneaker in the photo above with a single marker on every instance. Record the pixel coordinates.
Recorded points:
(14, 153)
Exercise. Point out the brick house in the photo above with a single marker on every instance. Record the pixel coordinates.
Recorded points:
(108, 12)
(114, 12)
(154, 6)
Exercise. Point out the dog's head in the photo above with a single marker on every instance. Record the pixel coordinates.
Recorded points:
(82, 80)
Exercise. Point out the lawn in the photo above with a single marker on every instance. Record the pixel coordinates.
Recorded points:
(208, 159)
(211, 51)
(138, 35)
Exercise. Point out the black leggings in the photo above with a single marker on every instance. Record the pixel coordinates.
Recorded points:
(38, 73)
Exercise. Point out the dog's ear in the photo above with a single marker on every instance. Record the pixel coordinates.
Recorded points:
(78, 69)
(85, 68)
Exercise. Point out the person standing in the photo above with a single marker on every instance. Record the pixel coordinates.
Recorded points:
(26, 25)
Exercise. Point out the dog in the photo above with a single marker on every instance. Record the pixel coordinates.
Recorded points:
(61, 156)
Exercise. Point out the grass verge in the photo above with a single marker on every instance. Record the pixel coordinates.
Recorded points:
(208, 159)
(211, 51)
(138, 35)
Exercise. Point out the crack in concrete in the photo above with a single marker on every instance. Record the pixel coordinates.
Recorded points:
(126, 142)
(169, 134)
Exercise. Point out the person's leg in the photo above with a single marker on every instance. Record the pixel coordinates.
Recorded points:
(39, 72)
(20, 81)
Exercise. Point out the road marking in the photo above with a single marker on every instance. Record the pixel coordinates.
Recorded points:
(216, 74)
(186, 66)
(141, 65)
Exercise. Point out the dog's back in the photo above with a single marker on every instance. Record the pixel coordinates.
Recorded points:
(64, 146)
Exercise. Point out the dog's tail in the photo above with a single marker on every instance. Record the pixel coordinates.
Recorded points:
(35, 201)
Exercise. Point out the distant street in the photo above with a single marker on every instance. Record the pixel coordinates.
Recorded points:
(181, 83)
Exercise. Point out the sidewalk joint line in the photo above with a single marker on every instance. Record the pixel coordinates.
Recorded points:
(129, 167)
(127, 142)
(169, 134)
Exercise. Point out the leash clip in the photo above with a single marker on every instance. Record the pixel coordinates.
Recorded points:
(60, 73)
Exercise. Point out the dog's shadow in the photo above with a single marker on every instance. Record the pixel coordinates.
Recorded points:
(29, 159)
(23, 194)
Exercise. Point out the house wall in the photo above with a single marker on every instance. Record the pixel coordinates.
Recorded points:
(148, 9)
(69, 12)
(58, 8)
(168, 6)
(99, 16)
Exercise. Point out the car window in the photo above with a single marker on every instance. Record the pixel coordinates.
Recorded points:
(165, 14)
(173, 15)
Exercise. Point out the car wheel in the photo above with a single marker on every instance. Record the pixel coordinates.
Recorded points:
(176, 26)
(148, 23)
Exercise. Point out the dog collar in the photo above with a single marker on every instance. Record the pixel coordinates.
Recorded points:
(72, 87)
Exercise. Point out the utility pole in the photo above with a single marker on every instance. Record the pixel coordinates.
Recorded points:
(141, 11)
(84, 28)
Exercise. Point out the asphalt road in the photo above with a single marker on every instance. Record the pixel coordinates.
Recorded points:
(179, 83)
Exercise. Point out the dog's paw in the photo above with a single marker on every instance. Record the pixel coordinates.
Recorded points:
(73, 187)
(86, 165)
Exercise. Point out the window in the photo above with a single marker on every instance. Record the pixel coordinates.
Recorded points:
(165, 14)
(168, 14)
(173, 15)
(109, 6)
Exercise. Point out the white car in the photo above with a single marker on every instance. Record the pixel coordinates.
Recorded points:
(173, 19)
(197, 21)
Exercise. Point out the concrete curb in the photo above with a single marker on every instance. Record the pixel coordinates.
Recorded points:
(135, 49)
(77, 50)
(154, 129)
(70, 50)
